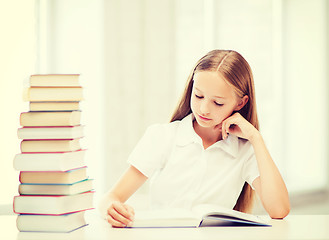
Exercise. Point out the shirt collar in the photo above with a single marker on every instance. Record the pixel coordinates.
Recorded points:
(186, 135)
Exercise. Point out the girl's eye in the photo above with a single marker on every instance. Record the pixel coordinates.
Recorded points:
(198, 96)
(219, 104)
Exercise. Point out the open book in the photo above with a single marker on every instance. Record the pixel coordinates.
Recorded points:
(199, 216)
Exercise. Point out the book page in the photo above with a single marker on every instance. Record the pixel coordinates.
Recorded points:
(206, 210)
(171, 217)
(167, 213)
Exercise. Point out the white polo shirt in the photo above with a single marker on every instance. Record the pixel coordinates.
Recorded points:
(183, 174)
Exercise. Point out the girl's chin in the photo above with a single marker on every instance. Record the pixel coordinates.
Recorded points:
(210, 125)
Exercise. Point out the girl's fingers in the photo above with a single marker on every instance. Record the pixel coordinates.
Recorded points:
(121, 208)
(227, 123)
(114, 222)
(130, 211)
(223, 130)
(226, 127)
(238, 126)
(118, 217)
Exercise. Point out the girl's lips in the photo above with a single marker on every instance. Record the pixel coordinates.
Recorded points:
(203, 118)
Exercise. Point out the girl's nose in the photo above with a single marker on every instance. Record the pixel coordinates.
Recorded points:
(204, 108)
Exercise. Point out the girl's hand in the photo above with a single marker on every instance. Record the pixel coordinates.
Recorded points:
(238, 126)
(120, 214)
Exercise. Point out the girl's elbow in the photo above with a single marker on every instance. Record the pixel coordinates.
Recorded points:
(280, 212)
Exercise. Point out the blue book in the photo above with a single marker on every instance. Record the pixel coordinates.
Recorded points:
(55, 189)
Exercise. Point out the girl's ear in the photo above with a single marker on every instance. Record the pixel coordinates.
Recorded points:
(243, 101)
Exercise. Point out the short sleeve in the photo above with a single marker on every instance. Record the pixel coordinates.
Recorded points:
(250, 169)
(148, 154)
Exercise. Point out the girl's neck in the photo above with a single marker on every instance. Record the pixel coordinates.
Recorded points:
(208, 135)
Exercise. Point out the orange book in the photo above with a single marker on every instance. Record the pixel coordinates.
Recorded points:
(54, 177)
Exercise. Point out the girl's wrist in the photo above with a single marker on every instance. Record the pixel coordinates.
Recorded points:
(255, 137)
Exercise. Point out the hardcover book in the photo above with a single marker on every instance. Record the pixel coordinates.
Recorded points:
(60, 132)
(52, 80)
(53, 205)
(59, 145)
(31, 119)
(50, 223)
(54, 177)
(55, 189)
(37, 94)
(55, 106)
(53, 161)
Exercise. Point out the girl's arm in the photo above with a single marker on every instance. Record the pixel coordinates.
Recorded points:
(269, 185)
(113, 206)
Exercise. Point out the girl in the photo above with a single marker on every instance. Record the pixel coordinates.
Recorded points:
(210, 152)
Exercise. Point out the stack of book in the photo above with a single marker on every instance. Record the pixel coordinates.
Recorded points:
(54, 189)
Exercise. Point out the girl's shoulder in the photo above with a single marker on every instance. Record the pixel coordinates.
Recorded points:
(160, 137)
(245, 148)
(167, 130)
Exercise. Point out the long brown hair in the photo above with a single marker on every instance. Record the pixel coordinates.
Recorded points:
(237, 72)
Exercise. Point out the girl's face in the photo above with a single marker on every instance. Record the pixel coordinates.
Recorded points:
(212, 99)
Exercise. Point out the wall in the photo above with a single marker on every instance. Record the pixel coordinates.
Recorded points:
(70, 40)
(135, 60)
(17, 62)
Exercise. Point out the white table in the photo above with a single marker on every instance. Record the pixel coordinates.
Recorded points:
(293, 227)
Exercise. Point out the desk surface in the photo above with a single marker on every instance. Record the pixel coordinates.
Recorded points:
(293, 227)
